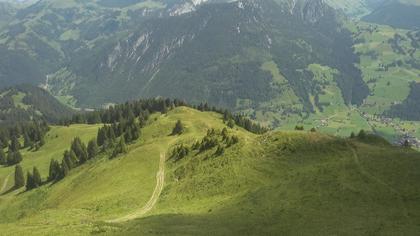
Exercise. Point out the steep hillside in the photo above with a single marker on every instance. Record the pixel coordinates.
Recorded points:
(193, 57)
(278, 183)
(26, 102)
(397, 13)
(103, 52)
(409, 109)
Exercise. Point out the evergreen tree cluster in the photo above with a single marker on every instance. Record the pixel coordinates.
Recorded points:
(220, 139)
(77, 155)
(140, 109)
(32, 134)
(126, 131)
(244, 122)
(144, 107)
(33, 180)
(179, 152)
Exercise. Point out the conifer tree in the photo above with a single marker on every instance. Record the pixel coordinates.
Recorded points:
(127, 135)
(30, 183)
(220, 150)
(120, 148)
(64, 170)
(231, 123)
(54, 171)
(41, 141)
(135, 131)
(362, 134)
(36, 177)
(14, 144)
(19, 177)
(10, 159)
(67, 158)
(102, 136)
(178, 129)
(74, 159)
(80, 150)
(92, 149)
(3, 159)
(18, 157)
(27, 142)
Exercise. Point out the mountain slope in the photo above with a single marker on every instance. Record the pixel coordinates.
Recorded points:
(26, 102)
(216, 54)
(397, 13)
(277, 183)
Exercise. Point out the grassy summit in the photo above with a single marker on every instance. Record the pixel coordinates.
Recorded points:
(279, 183)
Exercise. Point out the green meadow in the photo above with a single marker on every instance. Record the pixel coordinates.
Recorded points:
(303, 183)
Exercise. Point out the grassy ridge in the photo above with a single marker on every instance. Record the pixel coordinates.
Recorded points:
(278, 183)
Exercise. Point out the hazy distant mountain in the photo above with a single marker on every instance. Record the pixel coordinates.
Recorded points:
(397, 13)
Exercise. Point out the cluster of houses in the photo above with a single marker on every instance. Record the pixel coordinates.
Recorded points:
(406, 135)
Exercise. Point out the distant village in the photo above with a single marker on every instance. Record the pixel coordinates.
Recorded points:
(405, 135)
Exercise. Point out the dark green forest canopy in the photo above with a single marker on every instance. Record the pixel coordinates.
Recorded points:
(26, 103)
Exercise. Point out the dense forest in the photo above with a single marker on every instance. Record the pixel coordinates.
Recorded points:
(409, 109)
(27, 102)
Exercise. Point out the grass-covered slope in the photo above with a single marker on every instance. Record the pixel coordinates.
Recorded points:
(279, 183)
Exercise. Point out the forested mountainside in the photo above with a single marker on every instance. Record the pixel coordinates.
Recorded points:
(26, 102)
(279, 61)
(143, 49)
(409, 109)
(397, 13)
(217, 53)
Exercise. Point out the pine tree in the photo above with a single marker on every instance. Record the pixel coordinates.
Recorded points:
(3, 159)
(55, 170)
(74, 159)
(27, 142)
(64, 170)
(14, 144)
(231, 123)
(135, 131)
(37, 177)
(92, 149)
(41, 141)
(30, 184)
(111, 134)
(178, 129)
(10, 159)
(352, 135)
(18, 157)
(67, 158)
(120, 148)
(127, 135)
(80, 150)
(362, 134)
(220, 150)
(19, 177)
(102, 136)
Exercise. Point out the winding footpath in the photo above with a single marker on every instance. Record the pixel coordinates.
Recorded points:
(160, 180)
(5, 183)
